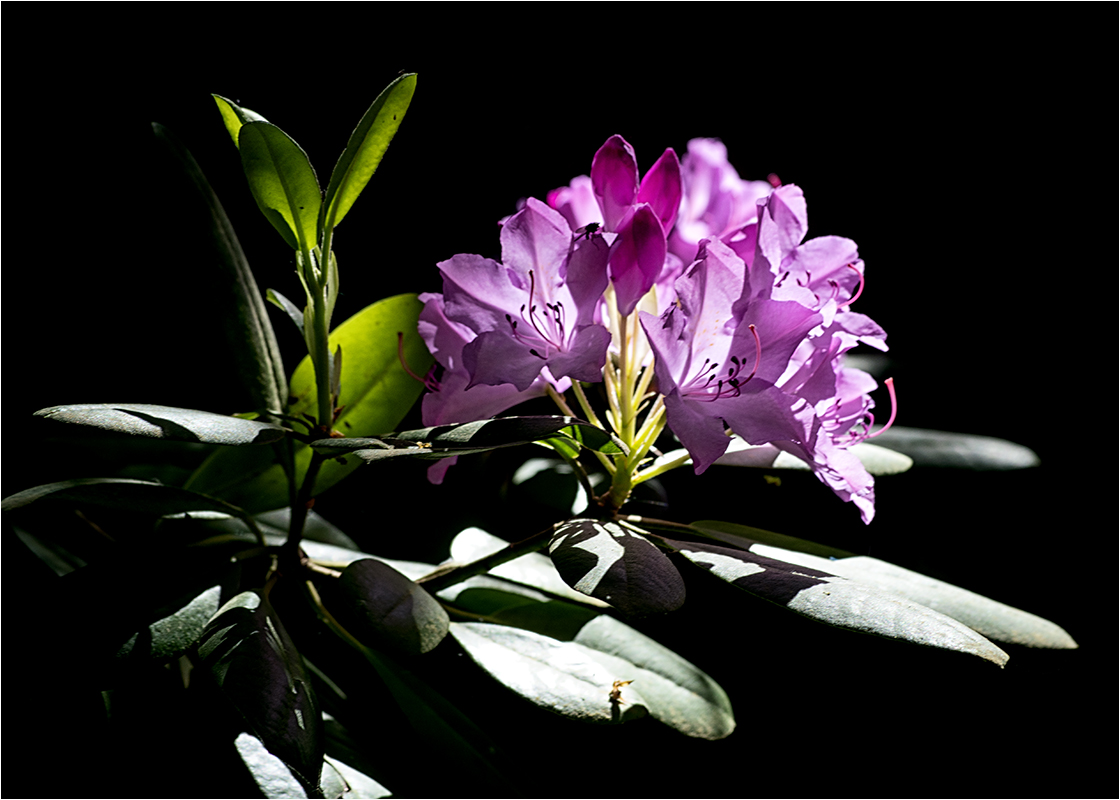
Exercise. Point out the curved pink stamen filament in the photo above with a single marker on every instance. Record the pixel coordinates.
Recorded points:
(859, 291)
(894, 409)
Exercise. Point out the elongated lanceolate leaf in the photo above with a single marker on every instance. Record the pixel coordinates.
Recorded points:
(674, 690)
(282, 181)
(960, 450)
(380, 605)
(248, 653)
(559, 676)
(121, 493)
(616, 565)
(875, 459)
(165, 422)
(459, 439)
(994, 620)
(249, 332)
(366, 147)
(376, 394)
(744, 536)
(838, 601)
(234, 116)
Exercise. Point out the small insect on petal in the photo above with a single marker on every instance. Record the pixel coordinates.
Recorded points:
(616, 691)
(587, 230)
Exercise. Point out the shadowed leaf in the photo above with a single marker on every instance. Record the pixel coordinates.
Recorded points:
(166, 422)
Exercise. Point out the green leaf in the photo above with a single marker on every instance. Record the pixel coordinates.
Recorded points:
(744, 536)
(532, 569)
(165, 422)
(171, 636)
(674, 690)
(250, 656)
(443, 441)
(988, 617)
(248, 329)
(121, 493)
(365, 148)
(875, 459)
(271, 775)
(617, 565)
(376, 394)
(559, 676)
(288, 307)
(380, 605)
(234, 116)
(957, 450)
(837, 601)
(282, 181)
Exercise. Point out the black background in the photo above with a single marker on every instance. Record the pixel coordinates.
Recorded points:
(964, 157)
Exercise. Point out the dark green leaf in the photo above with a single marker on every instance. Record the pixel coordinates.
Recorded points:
(744, 536)
(376, 394)
(248, 329)
(282, 181)
(165, 422)
(234, 116)
(617, 565)
(958, 450)
(559, 676)
(383, 606)
(837, 601)
(250, 656)
(459, 439)
(366, 147)
(121, 493)
(288, 307)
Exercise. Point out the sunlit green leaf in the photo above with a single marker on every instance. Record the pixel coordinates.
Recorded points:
(170, 636)
(288, 307)
(988, 617)
(234, 116)
(558, 676)
(366, 147)
(376, 394)
(674, 690)
(165, 422)
(282, 181)
(834, 600)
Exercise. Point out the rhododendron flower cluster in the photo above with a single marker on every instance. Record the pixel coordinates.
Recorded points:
(690, 293)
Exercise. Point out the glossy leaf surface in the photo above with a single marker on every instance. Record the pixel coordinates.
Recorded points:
(234, 116)
(250, 656)
(282, 181)
(174, 634)
(383, 606)
(558, 676)
(366, 147)
(166, 422)
(376, 394)
(958, 450)
(837, 601)
(988, 617)
(472, 437)
(616, 565)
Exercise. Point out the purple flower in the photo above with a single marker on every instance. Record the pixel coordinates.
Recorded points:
(717, 203)
(636, 214)
(536, 308)
(727, 358)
